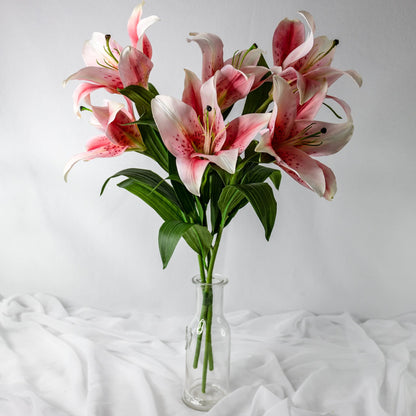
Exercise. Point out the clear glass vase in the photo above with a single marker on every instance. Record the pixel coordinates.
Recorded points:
(207, 347)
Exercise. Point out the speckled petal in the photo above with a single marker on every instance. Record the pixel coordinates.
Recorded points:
(302, 168)
(286, 103)
(134, 67)
(192, 92)
(102, 76)
(97, 147)
(178, 125)
(242, 130)
(290, 42)
(232, 85)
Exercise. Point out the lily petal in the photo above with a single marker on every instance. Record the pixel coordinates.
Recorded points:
(97, 147)
(212, 52)
(242, 130)
(310, 108)
(102, 76)
(330, 182)
(83, 92)
(134, 67)
(290, 42)
(132, 23)
(286, 103)
(302, 168)
(191, 92)
(212, 119)
(225, 159)
(232, 85)
(178, 125)
(335, 136)
(191, 171)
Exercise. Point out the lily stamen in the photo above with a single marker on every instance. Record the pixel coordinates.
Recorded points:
(107, 48)
(322, 55)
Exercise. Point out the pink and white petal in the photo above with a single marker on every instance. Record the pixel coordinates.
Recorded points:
(225, 159)
(290, 42)
(232, 85)
(212, 120)
(332, 74)
(302, 168)
(306, 46)
(83, 92)
(333, 137)
(330, 182)
(106, 114)
(144, 24)
(310, 108)
(242, 130)
(121, 133)
(134, 67)
(288, 35)
(132, 23)
(97, 147)
(286, 101)
(260, 75)
(192, 92)
(265, 144)
(212, 53)
(308, 87)
(102, 76)
(191, 170)
(178, 125)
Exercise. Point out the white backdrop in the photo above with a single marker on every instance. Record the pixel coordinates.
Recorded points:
(355, 253)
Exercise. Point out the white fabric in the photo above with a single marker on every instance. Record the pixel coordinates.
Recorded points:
(57, 361)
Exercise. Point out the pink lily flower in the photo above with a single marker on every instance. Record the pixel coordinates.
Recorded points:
(293, 137)
(237, 76)
(197, 135)
(112, 67)
(301, 58)
(119, 136)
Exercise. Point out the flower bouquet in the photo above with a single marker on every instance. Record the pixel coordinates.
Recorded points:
(215, 163)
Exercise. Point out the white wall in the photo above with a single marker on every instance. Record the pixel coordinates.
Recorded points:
(356, 253)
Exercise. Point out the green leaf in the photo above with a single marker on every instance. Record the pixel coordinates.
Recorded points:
(261, 173)
(140, 96)
(154, 146)
(257, 97)
(197, 236)
(185, 198)
(169, 234)
(259, 195)
(229, 199)
(152, 189)
(199, 239)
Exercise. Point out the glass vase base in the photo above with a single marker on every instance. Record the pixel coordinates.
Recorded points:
(197, 400)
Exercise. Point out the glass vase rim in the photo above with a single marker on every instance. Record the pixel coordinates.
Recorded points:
(217, 280)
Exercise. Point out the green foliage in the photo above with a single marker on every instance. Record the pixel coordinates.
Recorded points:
(198, 238)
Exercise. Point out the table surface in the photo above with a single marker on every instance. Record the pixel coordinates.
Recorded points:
(57, 360)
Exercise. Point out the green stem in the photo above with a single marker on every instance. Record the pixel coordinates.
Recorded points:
(263, 107)
(208, 349)
(207, 310)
